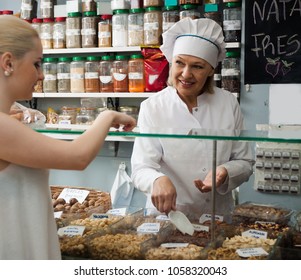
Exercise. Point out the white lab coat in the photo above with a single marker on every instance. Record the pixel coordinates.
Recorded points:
(184, 160)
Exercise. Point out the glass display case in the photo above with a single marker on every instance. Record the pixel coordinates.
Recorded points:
(209, 138)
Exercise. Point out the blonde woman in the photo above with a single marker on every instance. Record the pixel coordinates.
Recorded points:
(28, 229)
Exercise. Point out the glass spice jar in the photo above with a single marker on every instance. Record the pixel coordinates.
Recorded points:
(189, 10)
(135, 27)
(232, 22)
(49, 68)
(212, 11)
(47, 8)
(231, 72)
(67, 116)
(36, 24)
(193, 2)
(120, 73)
(136, 73)
(77, 74)
(47, 33)
(152, 26)
(170, 16)
(120, 28)
(73, 30)
(105, 73)
(89, 30)
(133, 111)
(63, 74)
(152, 3)
(86, 116)
(92, 74)
(105, 31)
(59, 33)
(89, 6)
(27, 9)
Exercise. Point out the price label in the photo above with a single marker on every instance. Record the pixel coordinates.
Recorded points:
(117, 211)
(255, 233)
(174, 245)
(249, 252)
(80, 195)
(149, 228)
(200, 227)
(207, 217)
(99, 216)
(71, 230)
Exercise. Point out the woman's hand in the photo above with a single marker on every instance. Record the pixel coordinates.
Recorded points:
(164, 195)
(128, 123)
(206, 185)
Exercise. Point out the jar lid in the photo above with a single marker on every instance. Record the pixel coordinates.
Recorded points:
(136, 56)
(121, 57)
(37, 20)
(75, 14)
(233, 54)
(108, 57)
(189, 6)
(49, 59)
(93, 58)
(233, 4)
(153, 8)
(28, 20)
(211, 8)
(106, 16)
(7, 12)
(137, 11)
(90, 14)
(78, 58)
(171, 8)
(48, 20)
(60, 19)
(120, 11)
(65, 59)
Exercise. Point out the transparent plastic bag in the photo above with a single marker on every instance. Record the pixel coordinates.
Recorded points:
(27, 116)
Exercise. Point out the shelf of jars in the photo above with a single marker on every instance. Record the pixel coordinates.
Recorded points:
(79, 51)
(229, 45)
(93, 94)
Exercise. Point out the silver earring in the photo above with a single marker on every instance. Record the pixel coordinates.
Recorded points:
(6, 73)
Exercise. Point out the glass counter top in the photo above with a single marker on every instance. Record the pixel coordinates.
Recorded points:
(289, 134)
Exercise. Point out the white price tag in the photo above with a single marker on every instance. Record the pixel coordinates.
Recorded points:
(162, 218)
(255, 233)
(249, 252)
(67, 194)
(174, 245)
(200, 227)
(71, 230)
(99, 216)
(117, 211)
(207, 217)
(149, 228)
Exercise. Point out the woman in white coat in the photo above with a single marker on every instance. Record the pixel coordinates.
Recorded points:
(176, 174)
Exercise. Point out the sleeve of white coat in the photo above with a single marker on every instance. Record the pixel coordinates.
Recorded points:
(240, 165)
(146, 156)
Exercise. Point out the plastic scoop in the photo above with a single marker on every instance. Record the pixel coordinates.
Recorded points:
(181, 222)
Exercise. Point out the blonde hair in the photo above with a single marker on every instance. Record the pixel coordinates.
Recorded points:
(16, 36)
(208, 86)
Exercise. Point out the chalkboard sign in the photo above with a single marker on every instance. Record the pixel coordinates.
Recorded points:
(272, 41)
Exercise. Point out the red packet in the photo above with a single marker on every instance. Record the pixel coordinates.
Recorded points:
(156, 69)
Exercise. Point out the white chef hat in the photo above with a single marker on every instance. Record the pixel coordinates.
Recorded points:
(198, 37)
